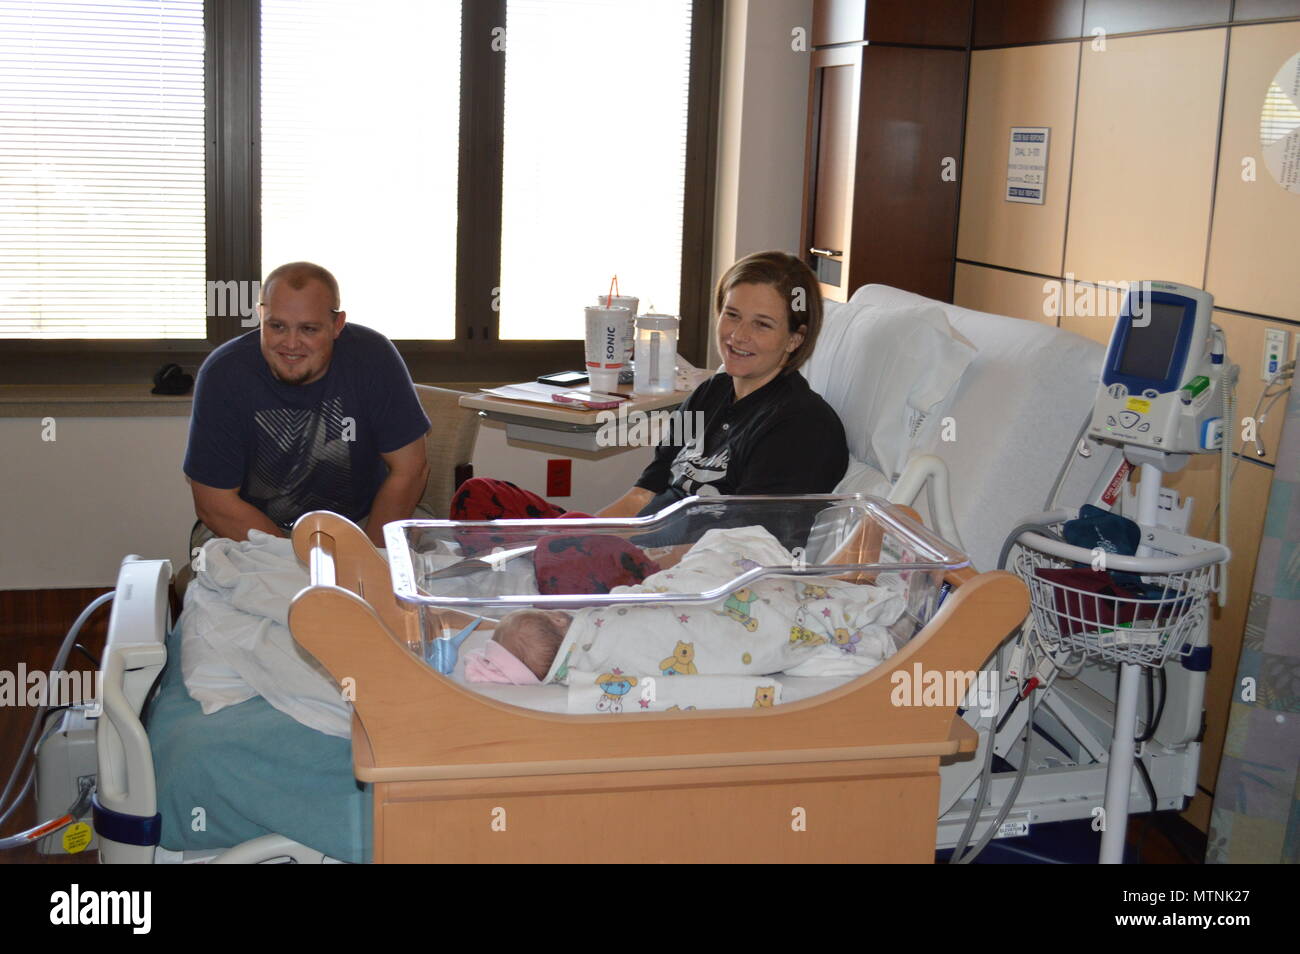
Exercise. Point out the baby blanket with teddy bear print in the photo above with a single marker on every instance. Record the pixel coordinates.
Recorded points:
(656, 657)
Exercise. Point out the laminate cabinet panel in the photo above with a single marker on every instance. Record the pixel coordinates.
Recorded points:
(1125, 16)
(1144, 158)
(1000, 292)
(933, 22)
(1011, 22)
(1020, 86)
(1256, 232)
(1265, 9)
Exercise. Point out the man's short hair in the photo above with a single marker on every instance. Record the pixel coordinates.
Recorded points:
(297, 275)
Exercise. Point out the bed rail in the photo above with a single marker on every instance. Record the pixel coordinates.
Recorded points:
(126, 807)
(929, 473)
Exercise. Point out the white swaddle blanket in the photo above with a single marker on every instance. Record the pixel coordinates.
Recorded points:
(655, 657)
(235, 639)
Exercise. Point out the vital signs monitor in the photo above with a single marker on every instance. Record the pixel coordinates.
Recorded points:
(1161, 373)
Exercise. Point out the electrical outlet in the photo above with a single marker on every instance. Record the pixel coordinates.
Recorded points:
(559, 478)
(1275, 351)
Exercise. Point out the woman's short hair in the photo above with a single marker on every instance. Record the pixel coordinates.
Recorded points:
(794, 281)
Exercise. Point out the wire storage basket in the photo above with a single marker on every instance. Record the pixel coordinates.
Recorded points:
(1124, 609)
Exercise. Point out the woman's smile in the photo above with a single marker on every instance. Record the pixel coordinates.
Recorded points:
(754, 336)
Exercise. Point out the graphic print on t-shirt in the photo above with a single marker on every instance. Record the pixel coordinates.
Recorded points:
(296, 447)
(695, 472)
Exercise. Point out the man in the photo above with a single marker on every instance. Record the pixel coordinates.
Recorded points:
(306, 413)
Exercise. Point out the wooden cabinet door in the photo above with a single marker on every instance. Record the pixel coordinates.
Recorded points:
(832, 140)
(904, 221)
(924, 22)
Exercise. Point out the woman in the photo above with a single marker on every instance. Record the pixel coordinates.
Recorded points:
(765, 430)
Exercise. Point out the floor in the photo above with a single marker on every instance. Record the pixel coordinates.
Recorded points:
(33, 624)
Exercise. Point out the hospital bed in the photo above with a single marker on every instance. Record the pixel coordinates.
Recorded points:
(1015, 406)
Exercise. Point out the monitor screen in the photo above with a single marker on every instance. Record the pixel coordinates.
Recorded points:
(1149, 350)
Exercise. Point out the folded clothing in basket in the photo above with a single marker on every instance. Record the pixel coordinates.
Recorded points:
(1094, 599)
(1097, 529)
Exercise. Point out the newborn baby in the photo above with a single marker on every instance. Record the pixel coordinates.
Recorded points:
(521, 650)
(810, 626)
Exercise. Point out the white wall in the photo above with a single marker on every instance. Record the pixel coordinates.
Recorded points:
(759, 203)
(595, 483)
(74, 506)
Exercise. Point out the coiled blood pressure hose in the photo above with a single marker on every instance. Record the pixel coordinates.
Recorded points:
(39, 831)
(83, 799)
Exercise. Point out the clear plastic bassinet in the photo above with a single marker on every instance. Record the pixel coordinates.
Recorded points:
(486, 568)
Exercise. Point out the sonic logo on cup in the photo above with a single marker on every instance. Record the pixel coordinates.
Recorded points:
(605, 349)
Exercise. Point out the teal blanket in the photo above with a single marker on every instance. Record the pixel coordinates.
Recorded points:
(250, 770)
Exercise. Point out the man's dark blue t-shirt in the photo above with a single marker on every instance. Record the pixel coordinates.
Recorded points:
(291, 449)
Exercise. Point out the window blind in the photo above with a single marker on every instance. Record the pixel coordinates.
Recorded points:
(1281, 113)
(101, 169)
(596, 99)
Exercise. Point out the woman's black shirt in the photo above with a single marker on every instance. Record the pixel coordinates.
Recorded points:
(781, 439)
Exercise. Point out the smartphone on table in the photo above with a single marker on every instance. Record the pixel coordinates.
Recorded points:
(563, 379)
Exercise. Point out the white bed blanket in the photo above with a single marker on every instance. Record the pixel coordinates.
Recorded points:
(235, 640)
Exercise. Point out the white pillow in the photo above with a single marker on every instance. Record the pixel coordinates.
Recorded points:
(889, 374)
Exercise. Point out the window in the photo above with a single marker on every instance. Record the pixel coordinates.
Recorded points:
(360, 122)
(472, 188)
(101, 169)
(596, 103)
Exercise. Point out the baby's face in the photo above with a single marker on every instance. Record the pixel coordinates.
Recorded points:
(533, 637)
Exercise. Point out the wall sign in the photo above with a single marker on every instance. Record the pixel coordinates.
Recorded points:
(1027, 164)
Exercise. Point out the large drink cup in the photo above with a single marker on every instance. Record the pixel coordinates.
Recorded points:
(631, 303)
(607, 332)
